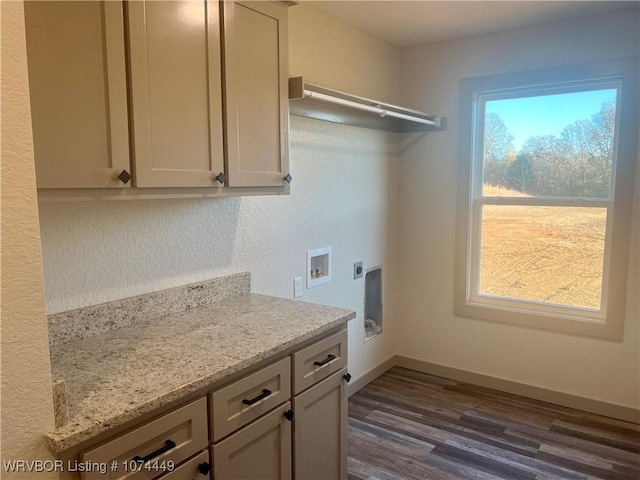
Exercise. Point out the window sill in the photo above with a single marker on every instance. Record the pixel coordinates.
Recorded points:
(610, 330)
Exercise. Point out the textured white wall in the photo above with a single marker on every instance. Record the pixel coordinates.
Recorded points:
(343, 183)
(588, 367)
(332, 53)
(26, 401)
(343, 189)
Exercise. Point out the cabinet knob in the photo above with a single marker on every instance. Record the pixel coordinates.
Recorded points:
(221, 177)
(347, 377)
(124, 176)
(288, 415)
(204, 468)
(288, 178)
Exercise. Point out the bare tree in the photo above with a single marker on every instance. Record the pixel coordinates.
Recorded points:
(520, 173)
(498, 150)
(578, 162)
(546, 154)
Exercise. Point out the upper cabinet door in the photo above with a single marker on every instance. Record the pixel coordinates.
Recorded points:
(77, 80)
(257, 107)
(176, 93)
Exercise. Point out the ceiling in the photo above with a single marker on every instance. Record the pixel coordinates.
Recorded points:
(408, 23)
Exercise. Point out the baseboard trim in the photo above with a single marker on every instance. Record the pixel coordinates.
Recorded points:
(538, 393)
(370, 375)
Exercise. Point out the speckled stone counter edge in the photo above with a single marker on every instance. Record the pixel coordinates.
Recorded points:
(70, 435)
(60, 407)
(96, 319)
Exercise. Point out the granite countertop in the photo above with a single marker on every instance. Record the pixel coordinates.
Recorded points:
(115, 376)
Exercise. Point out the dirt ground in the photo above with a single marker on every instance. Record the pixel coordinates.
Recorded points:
(546, 254)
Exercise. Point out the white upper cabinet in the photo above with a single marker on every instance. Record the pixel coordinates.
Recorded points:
(256, 82)
(206, 105)
(77, 80)
(176, 93)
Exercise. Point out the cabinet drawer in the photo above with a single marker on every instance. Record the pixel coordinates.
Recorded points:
(319, 360)
(250, 397)
(185, 429)
(198, 468)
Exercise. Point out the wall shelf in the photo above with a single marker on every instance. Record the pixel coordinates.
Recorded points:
(314, 101)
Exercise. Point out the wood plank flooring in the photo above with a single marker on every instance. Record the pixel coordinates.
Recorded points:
(410, 425)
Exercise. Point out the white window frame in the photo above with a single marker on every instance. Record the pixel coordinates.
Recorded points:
(608, 321)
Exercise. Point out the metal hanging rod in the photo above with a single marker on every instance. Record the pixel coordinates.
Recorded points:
(373, 109)
(309, 100)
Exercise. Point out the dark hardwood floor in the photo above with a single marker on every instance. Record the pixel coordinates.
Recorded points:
(410, 425)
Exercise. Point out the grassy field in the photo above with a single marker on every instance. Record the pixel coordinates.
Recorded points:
(546, 254)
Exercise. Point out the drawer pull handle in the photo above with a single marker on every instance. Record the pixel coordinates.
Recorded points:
(329, 358)
(265, 393)
(168, 445)
(204, 468)
(288, 415)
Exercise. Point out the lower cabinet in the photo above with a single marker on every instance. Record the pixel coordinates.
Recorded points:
(266, 425)
(320, 430)
(261, 450)
(197, 468)
(153, 448)
(317, 377)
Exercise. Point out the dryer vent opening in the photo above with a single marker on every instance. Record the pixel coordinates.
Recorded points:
(372, 303)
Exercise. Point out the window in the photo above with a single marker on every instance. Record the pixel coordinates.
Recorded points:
(545, 197)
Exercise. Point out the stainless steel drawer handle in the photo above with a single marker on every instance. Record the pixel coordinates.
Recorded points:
(168, 445)
(265, 393)
(329, 358)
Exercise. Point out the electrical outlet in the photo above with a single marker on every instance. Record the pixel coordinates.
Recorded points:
(297, 287)
(358, 271)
